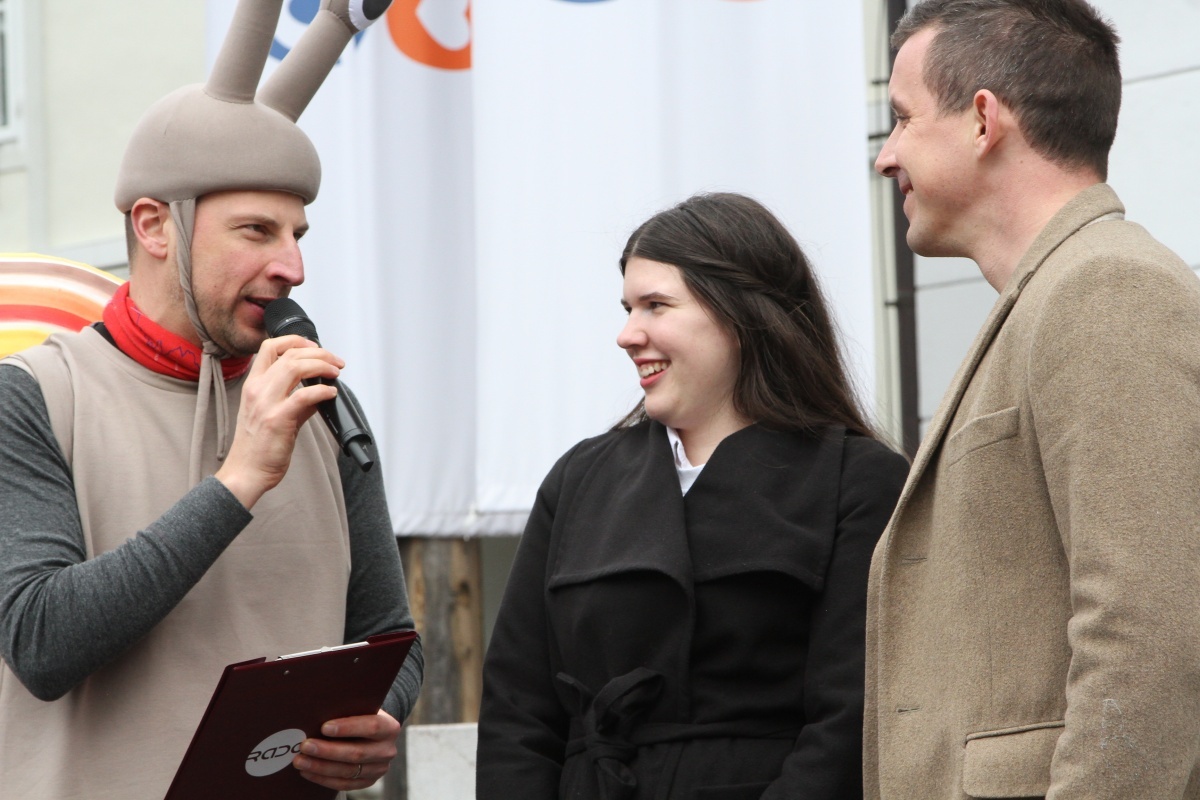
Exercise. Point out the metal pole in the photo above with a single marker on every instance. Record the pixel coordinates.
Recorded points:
(906, 307)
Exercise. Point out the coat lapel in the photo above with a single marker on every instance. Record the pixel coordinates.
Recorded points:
(1085, 208)
(767, 501)
(627, 515)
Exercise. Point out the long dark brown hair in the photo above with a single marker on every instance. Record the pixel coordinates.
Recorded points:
(744, 266)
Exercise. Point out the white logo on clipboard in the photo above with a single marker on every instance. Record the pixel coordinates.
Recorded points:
(274, 752)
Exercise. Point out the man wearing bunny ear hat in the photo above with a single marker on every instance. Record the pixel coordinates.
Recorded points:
(170, 505)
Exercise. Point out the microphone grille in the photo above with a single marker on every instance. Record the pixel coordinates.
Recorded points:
(284, 316)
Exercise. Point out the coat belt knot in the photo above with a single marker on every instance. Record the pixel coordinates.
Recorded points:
(608, 716)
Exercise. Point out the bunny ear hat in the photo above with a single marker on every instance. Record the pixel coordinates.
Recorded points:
(221, 135)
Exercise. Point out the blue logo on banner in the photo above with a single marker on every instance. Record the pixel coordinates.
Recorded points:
(304, 11)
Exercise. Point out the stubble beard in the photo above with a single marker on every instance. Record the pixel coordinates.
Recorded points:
(227, 334)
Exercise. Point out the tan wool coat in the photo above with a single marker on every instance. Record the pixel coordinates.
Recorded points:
(1034, 605)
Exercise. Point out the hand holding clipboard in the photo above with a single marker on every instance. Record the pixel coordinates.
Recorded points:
(261, 711)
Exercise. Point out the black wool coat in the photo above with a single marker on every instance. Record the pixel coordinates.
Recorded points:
(709, 646)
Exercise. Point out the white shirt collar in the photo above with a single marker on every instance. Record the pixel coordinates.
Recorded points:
(681, 459)
(687, 473)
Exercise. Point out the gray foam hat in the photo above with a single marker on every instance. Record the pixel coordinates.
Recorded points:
(227, 134)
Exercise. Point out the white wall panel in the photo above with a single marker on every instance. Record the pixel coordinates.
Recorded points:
(1156, 138)
(1157, 36)
(947, 318)
(606, 113)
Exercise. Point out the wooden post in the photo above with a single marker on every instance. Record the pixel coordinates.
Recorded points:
(444, 580)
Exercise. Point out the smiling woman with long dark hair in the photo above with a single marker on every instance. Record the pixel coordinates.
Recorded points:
(685, 616)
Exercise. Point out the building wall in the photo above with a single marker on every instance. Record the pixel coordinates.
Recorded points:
(87, 73)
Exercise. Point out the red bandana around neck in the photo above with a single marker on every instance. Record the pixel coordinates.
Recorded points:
(155, 347)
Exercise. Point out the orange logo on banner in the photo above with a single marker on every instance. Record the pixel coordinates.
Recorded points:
(414, 40)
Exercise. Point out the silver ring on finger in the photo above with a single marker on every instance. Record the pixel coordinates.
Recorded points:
(357, 772)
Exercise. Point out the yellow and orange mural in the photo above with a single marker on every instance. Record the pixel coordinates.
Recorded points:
(40, 295)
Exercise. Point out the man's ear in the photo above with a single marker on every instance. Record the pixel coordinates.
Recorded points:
(990, 121)
(151, 221)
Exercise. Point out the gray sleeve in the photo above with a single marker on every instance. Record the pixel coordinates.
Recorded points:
(62, 615)
(377, 600)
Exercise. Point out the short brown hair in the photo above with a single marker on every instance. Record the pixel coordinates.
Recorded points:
(744, 266)
(1053, 62)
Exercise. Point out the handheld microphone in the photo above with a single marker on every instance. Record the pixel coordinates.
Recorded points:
(284, 316)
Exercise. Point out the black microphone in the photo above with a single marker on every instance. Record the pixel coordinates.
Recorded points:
(284, 316)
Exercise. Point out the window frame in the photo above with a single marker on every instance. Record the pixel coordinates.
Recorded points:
(11, 71)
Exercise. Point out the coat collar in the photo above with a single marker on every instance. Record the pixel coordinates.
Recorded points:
(626, 514)
(1085, 208)
(765, 501)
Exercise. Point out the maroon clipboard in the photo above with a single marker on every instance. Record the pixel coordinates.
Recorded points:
(262, 710)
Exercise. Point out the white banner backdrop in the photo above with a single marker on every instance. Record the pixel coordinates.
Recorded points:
(483, 165)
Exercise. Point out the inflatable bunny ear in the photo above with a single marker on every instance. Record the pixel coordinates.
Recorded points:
(221, 136)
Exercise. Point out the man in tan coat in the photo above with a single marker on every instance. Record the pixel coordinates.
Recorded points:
(1034, 610)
